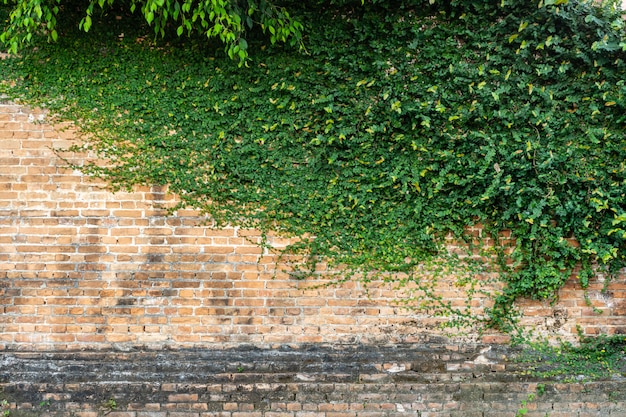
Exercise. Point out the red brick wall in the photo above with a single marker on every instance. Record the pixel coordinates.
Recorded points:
(84, 268)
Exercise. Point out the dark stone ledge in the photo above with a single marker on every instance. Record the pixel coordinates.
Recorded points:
(248, 363)
(471, 377)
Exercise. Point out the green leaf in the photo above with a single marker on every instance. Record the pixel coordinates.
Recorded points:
(86, 23)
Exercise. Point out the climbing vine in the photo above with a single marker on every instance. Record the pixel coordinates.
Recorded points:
(403, 125)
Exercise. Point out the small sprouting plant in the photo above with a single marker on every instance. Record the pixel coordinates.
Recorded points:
(111, 404)
(523, 410)
(4, 406)
(541, 389)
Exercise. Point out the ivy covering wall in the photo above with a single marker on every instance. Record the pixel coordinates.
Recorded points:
(400, 125)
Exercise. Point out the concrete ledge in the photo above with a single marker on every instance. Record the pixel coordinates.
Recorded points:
(294, 381)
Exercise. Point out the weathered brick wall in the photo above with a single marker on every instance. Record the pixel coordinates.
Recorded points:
(83, 268)
(86, 270)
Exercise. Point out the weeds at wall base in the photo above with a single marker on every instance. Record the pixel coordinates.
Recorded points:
(592, 358)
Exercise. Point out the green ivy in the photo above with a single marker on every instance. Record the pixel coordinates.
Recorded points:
(404, 123)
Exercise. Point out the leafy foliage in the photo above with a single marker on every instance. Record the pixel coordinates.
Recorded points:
(403, 125)
(226, 20)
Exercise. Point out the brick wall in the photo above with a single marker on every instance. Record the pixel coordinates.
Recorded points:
(84, 269)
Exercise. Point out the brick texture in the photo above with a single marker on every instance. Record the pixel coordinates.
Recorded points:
(84, 268)
(110, 307)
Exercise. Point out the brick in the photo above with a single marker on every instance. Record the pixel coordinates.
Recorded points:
(182, 398)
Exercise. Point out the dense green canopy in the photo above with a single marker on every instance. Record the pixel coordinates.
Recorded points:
(226, 20)
(401, 123)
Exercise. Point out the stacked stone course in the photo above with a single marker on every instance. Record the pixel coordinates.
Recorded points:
(83, 269)
(310, 381)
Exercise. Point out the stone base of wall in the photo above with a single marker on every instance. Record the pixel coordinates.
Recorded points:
(294, 381)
